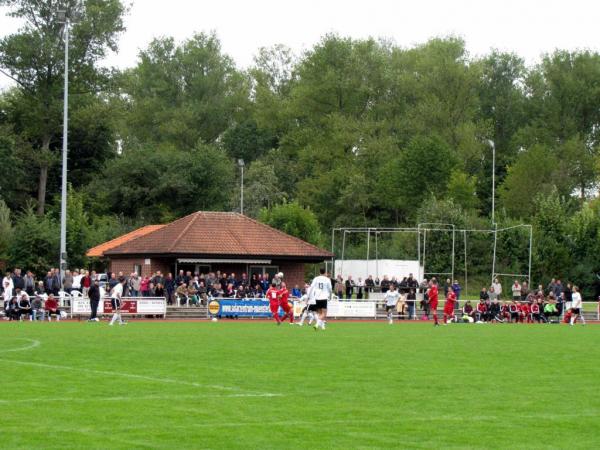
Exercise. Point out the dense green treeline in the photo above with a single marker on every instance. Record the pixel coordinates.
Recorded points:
(349, 133)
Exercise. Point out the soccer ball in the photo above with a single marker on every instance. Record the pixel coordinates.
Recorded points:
(280, 275)
(214, 319)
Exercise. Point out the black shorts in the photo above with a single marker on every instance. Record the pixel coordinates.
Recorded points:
(312, 308)
(116, 303)
(321, 304)
(575, 311)
(389, 308)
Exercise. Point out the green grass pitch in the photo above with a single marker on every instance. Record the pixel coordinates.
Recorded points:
(256, 385)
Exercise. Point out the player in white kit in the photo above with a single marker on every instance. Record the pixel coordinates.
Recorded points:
(391, 300)
(576, 307)
(318, 295)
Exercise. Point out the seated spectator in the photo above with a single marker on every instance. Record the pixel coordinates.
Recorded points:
(37, 308)
(241, 292)
(525, 312)
(51, 307)
(495, 313)
(39, 288)
(12, 310)
(182, 294)
(202, 292)
(535, 312)
(482, 311)
(217, 291)
(258, 291)
(24, 306)
(467, 310)
(505, 312)
(229, 291)
(550, 309)
(192, 293)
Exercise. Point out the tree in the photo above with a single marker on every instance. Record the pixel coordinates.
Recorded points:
(35, 242)
(6, 230)
(462, 189)
(535, 171)
(179, 94)
(163, 183)
(34, 58)
(293, 219)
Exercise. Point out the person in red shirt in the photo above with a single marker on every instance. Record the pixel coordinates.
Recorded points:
(51, 307)
(432, 295)
(284, 295)
(449, 306)
(482, 311)
(273, 297)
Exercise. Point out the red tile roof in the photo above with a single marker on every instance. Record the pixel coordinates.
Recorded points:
(98, 251)
(219, 234)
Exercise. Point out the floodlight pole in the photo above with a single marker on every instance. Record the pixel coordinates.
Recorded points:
(63, 200)
(241, 164)
(493, 146)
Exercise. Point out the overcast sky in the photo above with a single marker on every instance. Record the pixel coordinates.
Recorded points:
(526, 27)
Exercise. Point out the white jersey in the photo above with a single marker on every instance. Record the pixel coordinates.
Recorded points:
(576, 300)
(320, 289)
(391, 298)
(117, 291)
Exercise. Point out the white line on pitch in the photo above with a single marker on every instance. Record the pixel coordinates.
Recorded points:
(134, 376)
(33, 344)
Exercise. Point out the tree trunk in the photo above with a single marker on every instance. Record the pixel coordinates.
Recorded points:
(43, 180)
(42, 189)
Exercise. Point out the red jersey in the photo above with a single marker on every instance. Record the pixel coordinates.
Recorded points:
(283, 295)
(535, 308)
(481, 307)
(272, 294)
(451, 298)
(433, 294)
(525, 309)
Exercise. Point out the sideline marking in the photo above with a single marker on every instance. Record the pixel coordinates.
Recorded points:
(140, 377)
(33, 344)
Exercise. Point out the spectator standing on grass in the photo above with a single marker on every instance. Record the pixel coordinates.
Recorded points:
(492, 294)
(516, 291)
(551, 286)
(411, 298)
(94, 296)
(558, 288)
(369, 285)
(456, 287)
(55, 281)
(112, 281)
(18, 280)
(170, 287)
(145, 286)
(48, 281)
(7, 287)
(497, 288)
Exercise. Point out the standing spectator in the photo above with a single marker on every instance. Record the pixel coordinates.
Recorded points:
(339, 286)
(39, 289)
(55, 284)
(68, 282)
(94, 296)
(456, 287)
(48, 281)
(483, 295)
(77, 276)
(385, 284)
(516, 291)
(524, 291)
(497, 288)
(551, 286)
(492, 294)
(134, 285)
(170, 287)
(411, 298)
(349, 287)
(86, 283)
(369, 285)
(360, 286)
(18, 280)
(558, 288)
(7, 288)
(29, 282)
(145, 287)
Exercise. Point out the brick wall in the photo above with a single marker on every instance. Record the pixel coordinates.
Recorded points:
(293, 273)
(126, 265)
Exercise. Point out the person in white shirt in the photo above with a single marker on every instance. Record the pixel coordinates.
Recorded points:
(391, 300)
(307, 311)
(115, 298)
(319, 293)
(576, 306)
(497, 288)
(77, 280)
(8, 287)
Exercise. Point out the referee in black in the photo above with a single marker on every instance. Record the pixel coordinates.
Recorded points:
(94, 295)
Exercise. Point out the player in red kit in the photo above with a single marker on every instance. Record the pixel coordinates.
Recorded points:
(284, 295)
(273, 297)
(449, 306)
(432, 294)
